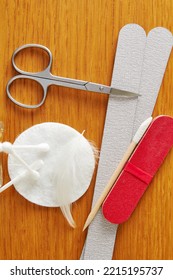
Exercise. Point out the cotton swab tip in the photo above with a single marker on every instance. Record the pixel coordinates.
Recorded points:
(6, 147)
(141, 130)
(44, 147)
(34, 169)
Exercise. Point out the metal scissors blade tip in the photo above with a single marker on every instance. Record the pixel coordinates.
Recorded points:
(124, 93)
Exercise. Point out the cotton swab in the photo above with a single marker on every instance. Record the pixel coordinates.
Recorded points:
(140, 132)
(35, 167)
(43, 147)
(7, 147)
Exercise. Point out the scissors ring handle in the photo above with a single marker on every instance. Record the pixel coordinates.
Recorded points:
(22, 104)
(31, 46)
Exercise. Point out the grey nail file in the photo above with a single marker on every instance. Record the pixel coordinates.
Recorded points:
(117, 132)
(157, 52)
(101, 234)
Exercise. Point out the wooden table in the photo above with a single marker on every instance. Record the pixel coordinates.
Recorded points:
(82, 35)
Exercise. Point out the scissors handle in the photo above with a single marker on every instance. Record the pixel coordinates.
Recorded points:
(18, 50)
(44, 91)
(30, 75)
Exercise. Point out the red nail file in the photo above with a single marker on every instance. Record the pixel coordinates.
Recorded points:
(139, 171)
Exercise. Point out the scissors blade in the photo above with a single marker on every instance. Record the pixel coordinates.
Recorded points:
(124, 93)
(107, 89)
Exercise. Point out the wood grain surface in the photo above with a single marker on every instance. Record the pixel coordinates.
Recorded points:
(82, 35)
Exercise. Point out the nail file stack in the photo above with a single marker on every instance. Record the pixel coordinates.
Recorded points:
(139, 67)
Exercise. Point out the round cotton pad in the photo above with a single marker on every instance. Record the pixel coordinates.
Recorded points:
(68, 165)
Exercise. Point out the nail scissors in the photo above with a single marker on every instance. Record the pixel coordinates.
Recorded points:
(45, 79)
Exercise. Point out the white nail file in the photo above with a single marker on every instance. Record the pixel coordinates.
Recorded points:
(117, 132)
(157, 52)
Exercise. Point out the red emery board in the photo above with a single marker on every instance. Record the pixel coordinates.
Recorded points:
(139, 170)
